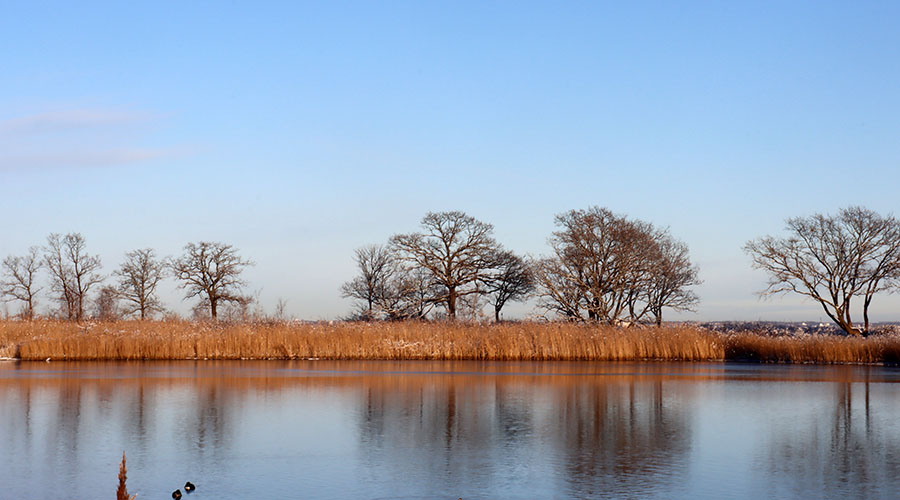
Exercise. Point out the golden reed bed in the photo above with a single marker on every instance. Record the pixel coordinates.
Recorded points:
(165, 340)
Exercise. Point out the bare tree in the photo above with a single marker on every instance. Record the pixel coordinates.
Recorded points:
(669, 278)
(72, 271)
(377, 267)
(211, 271)
(388, 288)
(409, 294)
(609, 268)
(19, 273)
(107, 304)
(139, 276)
(833, 259)
(470, 307)
(598, 264)
(60, 274)
(240, 310)
(280, 306)
(510, 279)
(200, 311)
(456, 249)
(560, 294)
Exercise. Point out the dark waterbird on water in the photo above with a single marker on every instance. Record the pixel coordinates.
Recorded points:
(189, 487)
(176, 494)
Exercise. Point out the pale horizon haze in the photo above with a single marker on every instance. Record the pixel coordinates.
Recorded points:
(299, 131)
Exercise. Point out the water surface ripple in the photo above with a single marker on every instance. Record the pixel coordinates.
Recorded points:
(445, 430)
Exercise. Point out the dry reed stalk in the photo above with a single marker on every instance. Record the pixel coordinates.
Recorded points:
(122, 491)
(167, 340)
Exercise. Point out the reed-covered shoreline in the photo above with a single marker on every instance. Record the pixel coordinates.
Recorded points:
(521, 341)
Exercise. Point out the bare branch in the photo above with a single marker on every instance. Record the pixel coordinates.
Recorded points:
(455, 249)
(609, 268)
(833, 259)
(19, 275)
(211, 271)
(73, 273)
(139, 276)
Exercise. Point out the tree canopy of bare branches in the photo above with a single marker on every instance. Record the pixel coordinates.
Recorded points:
(72, 271)
(455, 249)
(669, 278)
(510, 279)
(376, 266)
(410, 293)
(19, 275)
(387, 288)
(833, 259)
(107, 304)
(138, 278)
(211, 271)
(609, 268)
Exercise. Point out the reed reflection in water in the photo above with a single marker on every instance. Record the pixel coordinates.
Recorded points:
(448, 430)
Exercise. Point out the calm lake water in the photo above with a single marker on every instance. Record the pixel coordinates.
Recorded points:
(445, 430)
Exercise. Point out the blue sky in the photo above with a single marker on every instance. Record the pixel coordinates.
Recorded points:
(299, 131)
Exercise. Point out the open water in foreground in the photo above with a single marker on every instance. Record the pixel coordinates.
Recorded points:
(445, 430)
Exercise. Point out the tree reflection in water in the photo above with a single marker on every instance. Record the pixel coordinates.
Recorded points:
(623, 440)
(850, 450)
(450, 430)
(589, 435)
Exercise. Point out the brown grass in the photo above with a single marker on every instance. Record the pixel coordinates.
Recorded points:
(160, 340)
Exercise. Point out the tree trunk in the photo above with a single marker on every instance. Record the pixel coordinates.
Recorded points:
(866, 302)
(79, 297)
(212, 308)
(838, 317)
(496, 314)
(451, 302)
(848, 323)
(70, 303)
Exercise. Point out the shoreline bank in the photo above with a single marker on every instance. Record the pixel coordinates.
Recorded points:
(523, 341)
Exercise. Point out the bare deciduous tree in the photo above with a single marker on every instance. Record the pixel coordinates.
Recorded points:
(139, 276)
(387, 288)
(833, 259)
(669, 278)
(19, 273)
(73, 273)
(410, 294)
(596, 257)
(511, 278)
(609, 268)
(107, 304)
(456, 249)
(280, 307)
(560, 294)
(211, 271)
(377, 267)
(240, 310)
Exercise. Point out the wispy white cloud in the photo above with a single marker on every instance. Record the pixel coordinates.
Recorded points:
(63, 120)
(81, 159)
(77, 138)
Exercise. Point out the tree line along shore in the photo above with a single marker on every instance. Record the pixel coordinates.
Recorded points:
(603, 268)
